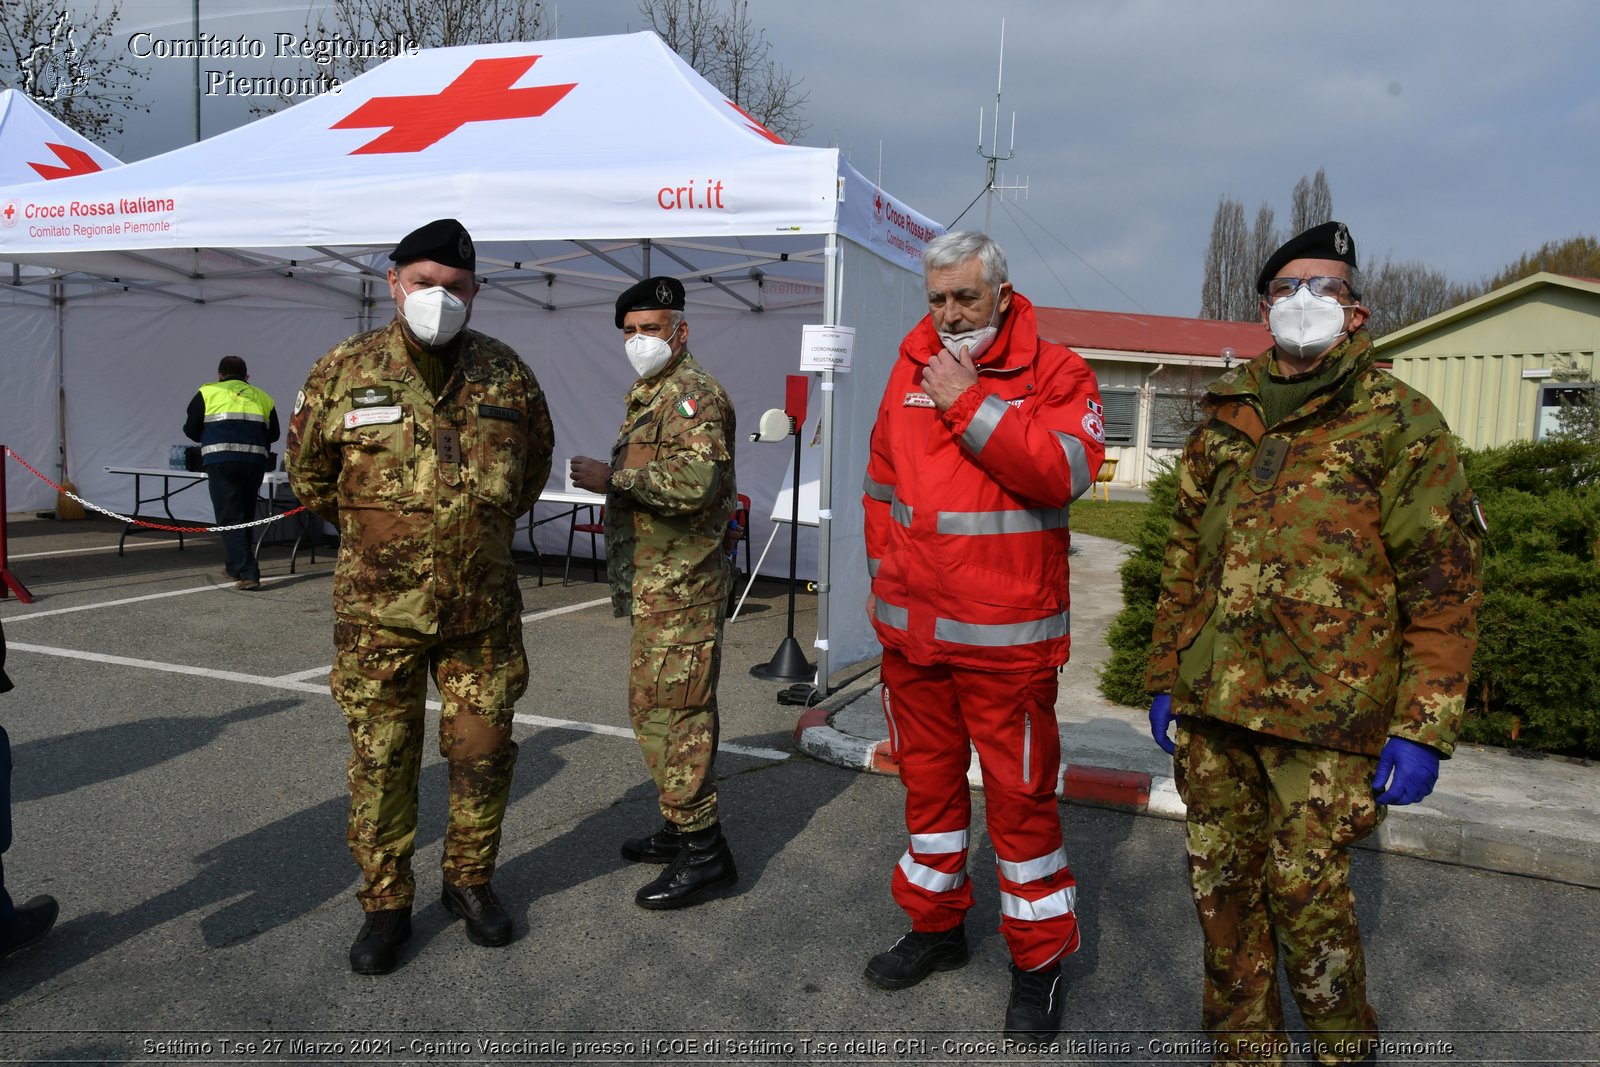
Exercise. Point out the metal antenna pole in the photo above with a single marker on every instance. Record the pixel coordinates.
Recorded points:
(993, 157)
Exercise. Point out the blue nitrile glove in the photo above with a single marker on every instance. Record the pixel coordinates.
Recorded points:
(1415, 769)
(1160, 718)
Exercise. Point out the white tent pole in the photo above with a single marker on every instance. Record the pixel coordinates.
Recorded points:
(830, 317)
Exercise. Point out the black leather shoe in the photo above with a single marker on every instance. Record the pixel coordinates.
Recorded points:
(377, 946)
(702, 868)
(34, 920)
(917, 955)
(487, 922)
(660, 847)
(1034, 1013)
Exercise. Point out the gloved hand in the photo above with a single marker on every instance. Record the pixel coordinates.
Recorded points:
(1414, 767)
(1160, 718)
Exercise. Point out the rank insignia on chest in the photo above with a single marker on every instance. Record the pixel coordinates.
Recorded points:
(918, 400)
(687, 407)
(1269, 459)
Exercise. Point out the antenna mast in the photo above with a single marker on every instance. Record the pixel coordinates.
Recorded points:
(993, 157)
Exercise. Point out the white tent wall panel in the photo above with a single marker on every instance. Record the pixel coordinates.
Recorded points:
(28, 401)
(133, 364)
(881, 301)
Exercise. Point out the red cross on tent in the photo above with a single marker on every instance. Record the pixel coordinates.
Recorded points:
(480, 94)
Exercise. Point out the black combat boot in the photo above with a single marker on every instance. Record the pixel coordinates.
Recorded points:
(1034, 1013)
(487, 922)
(377, 946)
(702, 868)
(917, 955)
(660, 847)
(33, 920)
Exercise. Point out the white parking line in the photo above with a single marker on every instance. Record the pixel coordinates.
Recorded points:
(27, 616)
(293, 684)
(534, 616)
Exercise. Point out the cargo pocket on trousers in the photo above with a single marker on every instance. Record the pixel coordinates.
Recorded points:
(684, 680)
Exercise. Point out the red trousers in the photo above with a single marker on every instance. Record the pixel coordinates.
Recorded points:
(933, 714)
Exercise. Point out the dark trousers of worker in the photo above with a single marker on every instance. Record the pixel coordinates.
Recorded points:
(234, 488)
(935, 714)
(1270, 825)
(380, 679)
(8, 911)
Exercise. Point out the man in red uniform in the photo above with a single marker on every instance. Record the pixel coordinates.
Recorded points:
(985, 435)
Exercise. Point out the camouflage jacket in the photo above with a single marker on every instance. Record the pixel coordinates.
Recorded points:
(425, 491)
(671, 494)
(1321, 581)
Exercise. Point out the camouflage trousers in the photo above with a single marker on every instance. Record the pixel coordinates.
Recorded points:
(380, 679)
(672, 702)
(1270, 824)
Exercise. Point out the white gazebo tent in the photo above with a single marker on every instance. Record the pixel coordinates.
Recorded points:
(579, 166)
(35, 146)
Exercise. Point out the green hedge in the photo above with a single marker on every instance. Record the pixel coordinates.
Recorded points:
(1536, 676)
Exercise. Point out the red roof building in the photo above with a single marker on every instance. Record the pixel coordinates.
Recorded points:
(1151, 369)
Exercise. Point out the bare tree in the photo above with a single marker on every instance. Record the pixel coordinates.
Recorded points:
(1312, 203)
(1264, 238)
(57, 59)
(1400, 294)
(1228, 291)
(733, 54)
(401, 23)
(1578, 256)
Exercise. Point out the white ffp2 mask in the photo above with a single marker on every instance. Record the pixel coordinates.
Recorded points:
(434, 314)
(647, 354)
(1305, 325)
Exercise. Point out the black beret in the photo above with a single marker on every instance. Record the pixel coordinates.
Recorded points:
(1331, 240)
(653, 294)
(444, 241)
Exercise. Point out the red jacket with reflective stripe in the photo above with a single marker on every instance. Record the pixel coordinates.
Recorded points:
(966, 510)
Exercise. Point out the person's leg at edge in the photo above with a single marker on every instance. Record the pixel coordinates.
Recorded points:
(1321, 804)
(1221, 781)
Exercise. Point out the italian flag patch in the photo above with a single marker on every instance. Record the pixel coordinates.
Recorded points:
(687, 407)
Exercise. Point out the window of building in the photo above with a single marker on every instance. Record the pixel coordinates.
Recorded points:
(1175, 414)
(1122, 415)
(1577, 399)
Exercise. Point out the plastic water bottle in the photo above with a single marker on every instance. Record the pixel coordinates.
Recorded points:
(175, 458)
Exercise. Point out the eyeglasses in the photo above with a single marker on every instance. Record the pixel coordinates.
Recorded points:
(1321, 285)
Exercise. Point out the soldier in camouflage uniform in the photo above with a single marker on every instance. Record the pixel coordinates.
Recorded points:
(423, 442)
(1313, 639)
(669, 494)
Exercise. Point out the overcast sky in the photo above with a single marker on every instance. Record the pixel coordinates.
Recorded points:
(1459, 134)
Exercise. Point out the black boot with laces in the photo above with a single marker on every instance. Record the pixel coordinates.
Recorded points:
(917, 955)
(1034, 1013)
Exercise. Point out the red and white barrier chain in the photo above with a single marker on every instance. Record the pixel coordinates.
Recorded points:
(141, 522)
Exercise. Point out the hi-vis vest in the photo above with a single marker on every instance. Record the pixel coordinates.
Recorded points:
(238, 417)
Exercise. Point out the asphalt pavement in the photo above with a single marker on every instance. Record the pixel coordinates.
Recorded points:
(179, 787)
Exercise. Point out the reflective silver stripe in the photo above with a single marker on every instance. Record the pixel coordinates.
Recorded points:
(1034, 869)
(888, 715)
(1053, 906)
(228, 446)
(1000, 635)
(236, 416)
(1078, 461)
(928, 878)
(900, 512)
(893, 615)
(939, 844)
(984, 420)
(872, 567)
(1027, 748)
(978, 523)
(877, 490)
